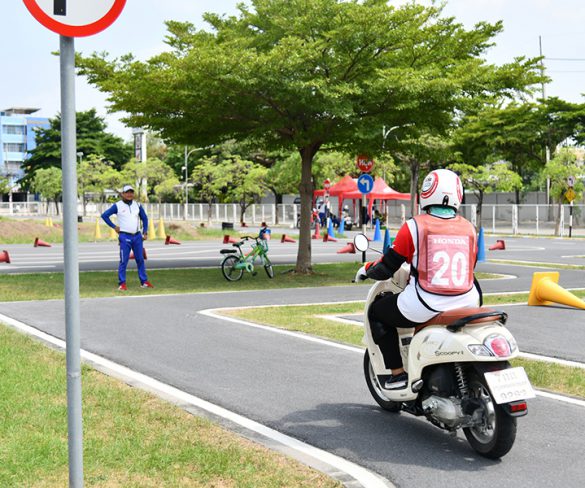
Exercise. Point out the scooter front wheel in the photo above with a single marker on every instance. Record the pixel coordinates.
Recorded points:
(376, 389)
(495, 436)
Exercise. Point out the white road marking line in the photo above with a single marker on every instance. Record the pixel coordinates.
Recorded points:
(363, 476)
(548, 359)
(213, 313)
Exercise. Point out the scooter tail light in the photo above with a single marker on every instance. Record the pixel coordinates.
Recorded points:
(518, 407)
(499, 345)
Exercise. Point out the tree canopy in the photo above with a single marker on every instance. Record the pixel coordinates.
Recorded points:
(92, 138)
(301, 75)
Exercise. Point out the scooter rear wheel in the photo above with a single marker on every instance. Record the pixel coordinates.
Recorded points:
(376, 389)
(497, 433)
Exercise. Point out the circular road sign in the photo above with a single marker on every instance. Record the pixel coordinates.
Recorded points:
(327, 184)
(364, 163)
(75, 18)
(365, 183)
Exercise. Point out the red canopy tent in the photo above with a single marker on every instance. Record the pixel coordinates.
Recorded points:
(381, 191)
(345, 185)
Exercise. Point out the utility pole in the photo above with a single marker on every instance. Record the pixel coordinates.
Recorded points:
(547, 148)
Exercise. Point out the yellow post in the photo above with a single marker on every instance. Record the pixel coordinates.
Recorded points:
(50, 221)
(98, 231)
(113, 234)
(161, 229)
(546, 290)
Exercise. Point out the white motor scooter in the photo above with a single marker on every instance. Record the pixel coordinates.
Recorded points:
(458, 371)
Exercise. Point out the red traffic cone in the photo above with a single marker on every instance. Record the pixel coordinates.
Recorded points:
(40, 243)
(4, 257)
(328, 238)
(170, 240)
(285, 238)
(317, 234)
(500, 244)
(243, 224)
(227, 239)
(349, 248)
(143, 254)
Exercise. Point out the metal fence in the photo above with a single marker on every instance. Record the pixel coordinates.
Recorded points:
(496, 218)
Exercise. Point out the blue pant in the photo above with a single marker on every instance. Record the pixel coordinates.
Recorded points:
(131, 242)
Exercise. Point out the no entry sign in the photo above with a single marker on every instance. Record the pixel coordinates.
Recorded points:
(75, 18)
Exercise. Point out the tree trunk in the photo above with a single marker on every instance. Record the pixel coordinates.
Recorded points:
(306, 192)
(278, 201)
(479, 210)
(558, 218)
(414, 173)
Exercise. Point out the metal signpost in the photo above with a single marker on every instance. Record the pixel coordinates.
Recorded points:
(76, 19)
(365, 185)
(570, 195)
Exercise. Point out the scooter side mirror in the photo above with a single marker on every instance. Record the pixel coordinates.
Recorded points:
(361, 242)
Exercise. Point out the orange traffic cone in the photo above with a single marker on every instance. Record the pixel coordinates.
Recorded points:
(546, 290)
(170, 240)
(40, 243)
(328, 238)
(143, 254)
(285, 238)
(500, 244)
(227, 239)
(4, 257)
(317, 234)
(349, 248)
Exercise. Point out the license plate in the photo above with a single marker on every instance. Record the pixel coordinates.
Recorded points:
(509, 385)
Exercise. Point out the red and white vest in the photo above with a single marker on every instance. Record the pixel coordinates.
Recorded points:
(446, 251)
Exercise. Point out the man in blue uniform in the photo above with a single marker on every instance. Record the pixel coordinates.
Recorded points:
(129, 215)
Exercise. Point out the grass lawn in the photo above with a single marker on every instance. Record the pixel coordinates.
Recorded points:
(45, 286)
(131, 438)
(310, 320)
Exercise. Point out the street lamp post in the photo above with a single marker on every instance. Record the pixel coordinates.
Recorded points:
(186, 169)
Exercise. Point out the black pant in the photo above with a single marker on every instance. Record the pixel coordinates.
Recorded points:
(385, 310)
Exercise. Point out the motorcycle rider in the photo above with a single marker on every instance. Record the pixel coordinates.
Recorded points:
(441, 248)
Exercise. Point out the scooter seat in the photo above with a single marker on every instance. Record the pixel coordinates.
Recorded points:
(449, 317)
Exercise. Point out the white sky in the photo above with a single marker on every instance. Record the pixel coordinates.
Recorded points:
(30, 73)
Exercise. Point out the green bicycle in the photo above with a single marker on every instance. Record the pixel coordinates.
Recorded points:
(234, 265)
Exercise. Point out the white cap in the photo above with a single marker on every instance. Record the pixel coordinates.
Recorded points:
(127, 188)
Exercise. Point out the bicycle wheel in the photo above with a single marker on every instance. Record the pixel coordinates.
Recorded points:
(268, 267)
(229, 270)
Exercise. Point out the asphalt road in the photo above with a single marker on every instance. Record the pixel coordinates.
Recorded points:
(311, 391)
(102, 256)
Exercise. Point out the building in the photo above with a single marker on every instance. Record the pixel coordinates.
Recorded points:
(17, 138)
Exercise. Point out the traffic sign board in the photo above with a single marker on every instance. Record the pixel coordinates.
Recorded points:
(327, 184)
(570, 195)
(365, 184)
(75, 18)
(364, 163)
(571, 181)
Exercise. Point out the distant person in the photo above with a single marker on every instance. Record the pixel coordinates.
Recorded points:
(265, 232)
(129, 214)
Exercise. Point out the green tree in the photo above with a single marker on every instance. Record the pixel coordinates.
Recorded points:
(90, 177)
(308, 74)
(487, 179)
(520, 134)
(48, 182)
(148, 175)
(92, 138)
(558, 170)
(4, 185)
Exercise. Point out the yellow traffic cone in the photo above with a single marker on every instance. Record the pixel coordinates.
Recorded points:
(546, 290)
(151, 231)
(50, 221)
(113, 234)
(98, 231)
(47, 222)
(161, 229)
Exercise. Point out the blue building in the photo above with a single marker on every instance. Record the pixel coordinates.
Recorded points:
(17, 138)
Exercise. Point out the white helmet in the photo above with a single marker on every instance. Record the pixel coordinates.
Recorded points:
(441, 187)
